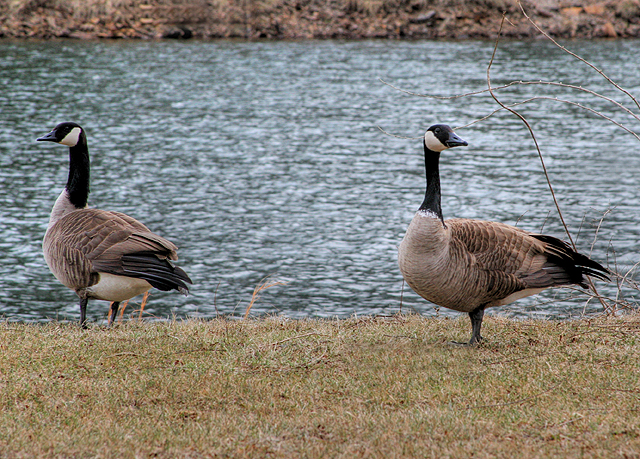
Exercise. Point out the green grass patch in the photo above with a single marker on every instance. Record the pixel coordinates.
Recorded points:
(373, 387)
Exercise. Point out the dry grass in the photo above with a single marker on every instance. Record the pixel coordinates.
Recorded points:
(262, 286)
(348, 388)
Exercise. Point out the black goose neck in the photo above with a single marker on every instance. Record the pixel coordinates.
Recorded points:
(431, 201)
(79, 173)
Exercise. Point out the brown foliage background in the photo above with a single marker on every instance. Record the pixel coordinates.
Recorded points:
(304, 19)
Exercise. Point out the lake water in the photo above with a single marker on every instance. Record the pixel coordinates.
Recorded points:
(265, 159)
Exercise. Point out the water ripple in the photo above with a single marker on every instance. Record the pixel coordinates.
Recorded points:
(263, 159)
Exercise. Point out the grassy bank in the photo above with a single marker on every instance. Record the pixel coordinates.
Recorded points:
(350, 388)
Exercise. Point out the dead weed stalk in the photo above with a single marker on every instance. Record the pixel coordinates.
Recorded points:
(263, 285)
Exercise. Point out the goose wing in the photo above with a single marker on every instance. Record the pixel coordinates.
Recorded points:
(499, 258)
(496, 246)
(506, 260)
(94, 241)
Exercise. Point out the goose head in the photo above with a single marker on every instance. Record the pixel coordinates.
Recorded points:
(439, 137)
(69, 134)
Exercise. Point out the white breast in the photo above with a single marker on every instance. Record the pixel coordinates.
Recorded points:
(117, 288)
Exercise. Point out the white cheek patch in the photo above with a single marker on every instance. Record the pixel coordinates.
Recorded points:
(72, 138)
(432, 142)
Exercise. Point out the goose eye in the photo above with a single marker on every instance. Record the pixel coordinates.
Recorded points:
(437, 131)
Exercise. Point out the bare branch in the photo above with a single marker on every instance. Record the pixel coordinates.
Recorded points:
(398, 136)
(578, 57)
(518, 83)
(535, 141)
(554, 99)
(541, 82)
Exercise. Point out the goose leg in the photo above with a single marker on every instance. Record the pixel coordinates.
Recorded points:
(83, 312)
(112, 314)
(476, 322)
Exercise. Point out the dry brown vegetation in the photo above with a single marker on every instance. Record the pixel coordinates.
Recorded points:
(373, 387)
(314, 18)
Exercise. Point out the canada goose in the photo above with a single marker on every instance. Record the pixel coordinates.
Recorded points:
(470, 265)
(98, 253)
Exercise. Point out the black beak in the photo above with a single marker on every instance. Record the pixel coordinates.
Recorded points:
(455, 141)
(51, 137)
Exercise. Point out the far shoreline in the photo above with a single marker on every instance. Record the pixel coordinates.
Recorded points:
(315, 19)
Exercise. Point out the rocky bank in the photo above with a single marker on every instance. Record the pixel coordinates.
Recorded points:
(304, 19)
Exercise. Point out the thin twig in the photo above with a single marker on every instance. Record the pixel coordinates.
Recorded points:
(457, 96)
(595, 237)
(555, 99)
(296, 337)
(535, 141)
(398, 136)
(518, 83)
(613, 83)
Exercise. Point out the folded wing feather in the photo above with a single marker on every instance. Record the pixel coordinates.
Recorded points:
(89, 241)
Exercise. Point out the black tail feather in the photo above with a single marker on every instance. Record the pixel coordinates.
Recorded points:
(160, 273)
(567, 266)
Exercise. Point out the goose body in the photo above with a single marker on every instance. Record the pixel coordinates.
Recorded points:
(469, 265)
(102, 254)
